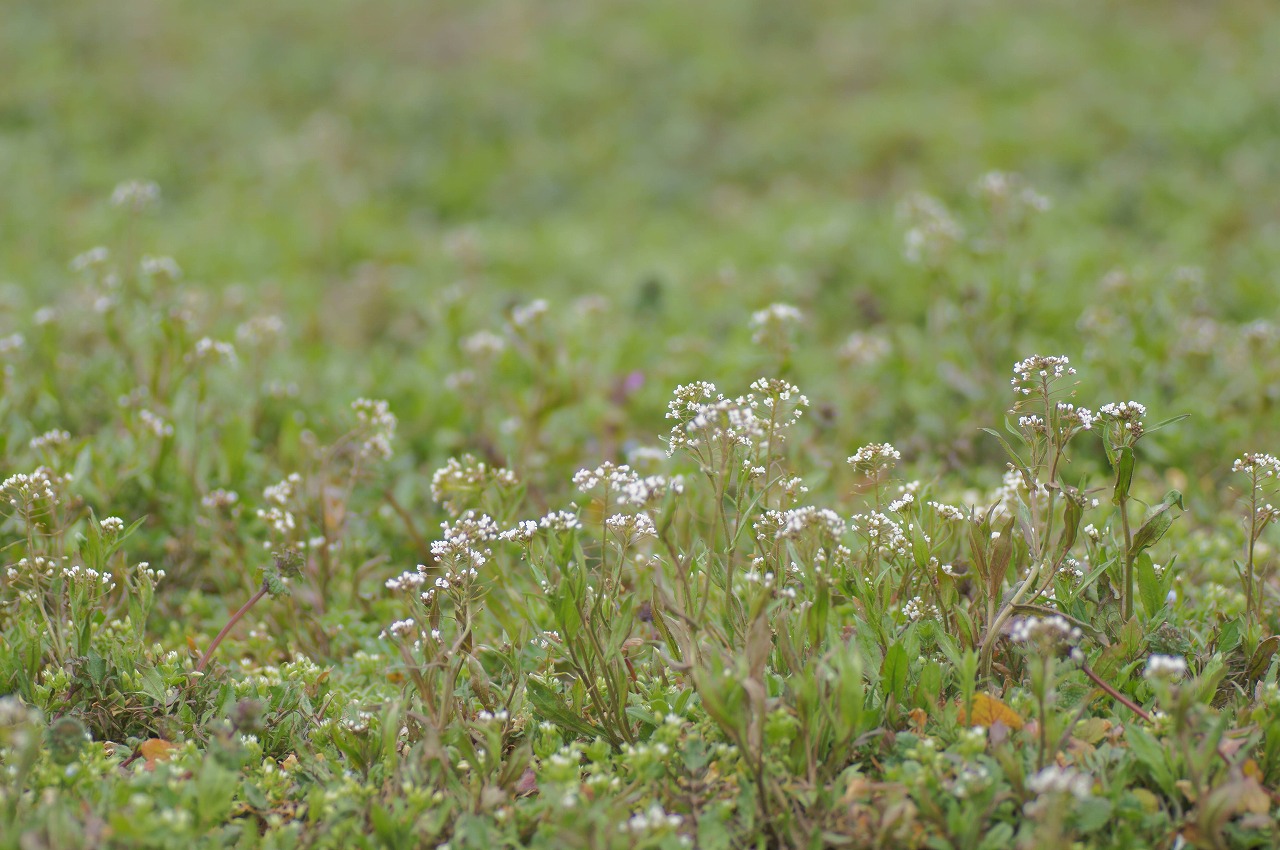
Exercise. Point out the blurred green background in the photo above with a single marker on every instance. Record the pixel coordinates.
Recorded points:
(345, 163)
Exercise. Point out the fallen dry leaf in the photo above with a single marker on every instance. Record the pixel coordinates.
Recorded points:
(988, 711)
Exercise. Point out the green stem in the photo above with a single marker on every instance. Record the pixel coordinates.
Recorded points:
(1126, 603)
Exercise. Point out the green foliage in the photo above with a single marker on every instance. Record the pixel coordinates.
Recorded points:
(384, 546)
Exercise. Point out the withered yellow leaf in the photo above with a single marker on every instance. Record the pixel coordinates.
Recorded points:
(988, 711)
(155, 750)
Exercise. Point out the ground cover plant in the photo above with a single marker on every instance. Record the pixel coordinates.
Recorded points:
(639, 425)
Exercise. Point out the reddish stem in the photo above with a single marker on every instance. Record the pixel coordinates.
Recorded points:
(235, 618)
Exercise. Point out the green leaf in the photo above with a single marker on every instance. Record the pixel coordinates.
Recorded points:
(1152, 756)
(1000, 557)
(1014, 457)
(547, 702)
(1261, 659)
(1072, 515)
(893, 672)
(1158, 521)
(1150, 587)
(1124, 474)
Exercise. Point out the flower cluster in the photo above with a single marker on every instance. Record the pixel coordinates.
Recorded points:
(931, 231)
(795, 523)
(1048, 634)
(773, 322)
(220, 499)
(1009, 195)
(1038, 370)
(1165, 667)
(42, 484)
(631, 527)
(882, 533)
(160, 267)
(459, 479)
(155, 424)
(212, 350)
(1061, 780)
(135, 195)
(874, 458)
(707, 418)
(1265, 465)
(1125, 416)
(377, 426)
(277, 516)
(917, 609)
(49, 440)
(259, 330)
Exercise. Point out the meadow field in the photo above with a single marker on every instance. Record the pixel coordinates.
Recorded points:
(624, 424)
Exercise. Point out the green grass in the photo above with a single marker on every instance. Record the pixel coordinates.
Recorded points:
(389, 180)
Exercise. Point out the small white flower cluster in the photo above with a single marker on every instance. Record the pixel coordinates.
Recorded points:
(607, 473)
(378, 425)
(165, 267)
(220, 499)
(400, 629)
(1266, 465)
(796, 522)
(902, 504)
(260, 329)
(883, 533)
(971, 779)
(1033, 424)
(1009, 194)
(483, 345)
(1061, 780)
(1045, 631)
(645, 491)
(155, 424)
(1071, 417)
(43, 483)
(277, 516)
(523, 532)
(49, 440)
(1165, 667)
(949, 512)
(14, 712)
(135, 195)
(632, 527)
(875, 458)
(112, 525)
(1072, 569)
(152, 576)
(360, 723)
(209, 350)
(546, 640)
(652, 819)
(773, 321)
(524, 315)
(1126, 415)
(917, 609)
(466, 476)
(706, 416)
(408, 580)
(864, 349)
(95, 257)
(560, 521)
(462, 551)
(88, 577)
(931, 230)
(1037, 369)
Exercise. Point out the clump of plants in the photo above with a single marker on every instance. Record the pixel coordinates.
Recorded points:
(733, 633)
